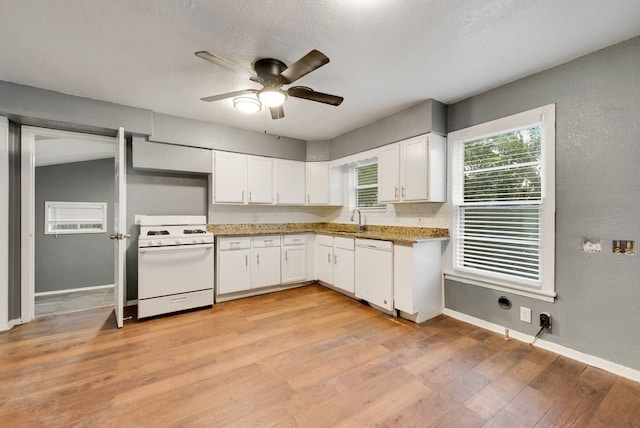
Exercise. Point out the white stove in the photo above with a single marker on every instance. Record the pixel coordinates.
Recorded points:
(175, 264)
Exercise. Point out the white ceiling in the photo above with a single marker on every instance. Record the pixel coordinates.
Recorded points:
(53, 151)
(385, 55)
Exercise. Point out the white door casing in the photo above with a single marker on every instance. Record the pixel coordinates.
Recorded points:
(27, 206)
(4, 223)
(120, 235)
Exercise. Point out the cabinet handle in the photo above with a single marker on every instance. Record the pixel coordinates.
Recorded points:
(396, 192)
(246, 260)
(178, 300)
(258, 258)
(328, 257)
(404, 191)
(243, 196)
(249, 197)
(286, 256)
(278, 198)
(335, 259)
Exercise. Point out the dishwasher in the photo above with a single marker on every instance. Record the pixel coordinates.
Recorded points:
(374, 272)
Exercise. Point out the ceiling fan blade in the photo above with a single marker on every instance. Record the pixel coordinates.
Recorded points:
(229, 95)
(305, 65)
(310, 94)
(277, 112)
(218, 60)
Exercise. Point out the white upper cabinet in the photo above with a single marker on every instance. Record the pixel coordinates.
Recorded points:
(413, 170)
(241, 179)
(259, 180)
(289, 182)
(229, 178)
(324, 184)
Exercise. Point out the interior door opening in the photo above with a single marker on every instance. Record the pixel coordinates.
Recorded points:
(69, 199)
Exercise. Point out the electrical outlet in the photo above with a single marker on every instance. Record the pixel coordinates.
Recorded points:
(545, 320)
(525, 314)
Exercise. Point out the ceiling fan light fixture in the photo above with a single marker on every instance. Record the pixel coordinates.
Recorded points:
(272, 96)
(247, 104)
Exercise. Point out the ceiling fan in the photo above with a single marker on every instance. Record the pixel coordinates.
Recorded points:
(273, 74)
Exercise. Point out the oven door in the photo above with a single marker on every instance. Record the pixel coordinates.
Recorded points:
(177, 269)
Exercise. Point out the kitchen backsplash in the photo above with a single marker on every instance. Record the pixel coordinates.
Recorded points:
(419, 214)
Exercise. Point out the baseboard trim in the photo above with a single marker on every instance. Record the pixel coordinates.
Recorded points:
(72, 290)
(592, 360)
(10, 324)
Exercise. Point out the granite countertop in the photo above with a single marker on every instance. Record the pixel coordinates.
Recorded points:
(397, 234)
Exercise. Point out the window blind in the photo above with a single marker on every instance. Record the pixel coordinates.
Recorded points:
(498, 205)
(367, 186)
(75, 217)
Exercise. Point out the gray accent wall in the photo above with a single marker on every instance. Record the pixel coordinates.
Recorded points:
(158, 193)
(68, 261)
(188, 132)
(14, 221)
(427, 116)
(597, 310)
(39, 107)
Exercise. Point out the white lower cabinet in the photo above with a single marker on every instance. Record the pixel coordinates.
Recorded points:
(374, 272)
(233, 270)
(418, 279)
(294, 258)
(247, 263)
(265, 257)
(335, 261)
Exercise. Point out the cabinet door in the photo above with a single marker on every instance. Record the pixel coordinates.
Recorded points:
(266, 267)
(389, 174)
(343, 273)
(294, 263)
(324, 263)
(374, 276)
(234, 272)
(318, 183)
(290, 182)
(259, 180)
(229, 177)
(414, 169)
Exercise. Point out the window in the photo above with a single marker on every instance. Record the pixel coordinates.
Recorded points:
(75, 217)
(503, 200)
(366, 186)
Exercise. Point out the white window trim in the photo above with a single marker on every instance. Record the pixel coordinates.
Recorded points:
(73, 205)
(546, 114)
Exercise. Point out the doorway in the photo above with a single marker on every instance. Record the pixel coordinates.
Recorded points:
(69, 198)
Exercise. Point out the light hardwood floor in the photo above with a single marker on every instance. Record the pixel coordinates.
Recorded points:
(307, 357)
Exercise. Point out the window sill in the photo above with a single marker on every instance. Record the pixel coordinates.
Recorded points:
(493, 285)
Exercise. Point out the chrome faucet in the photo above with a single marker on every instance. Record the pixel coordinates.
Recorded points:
(360, 225)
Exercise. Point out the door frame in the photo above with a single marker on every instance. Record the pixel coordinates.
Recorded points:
(4, 223)
(27, 206)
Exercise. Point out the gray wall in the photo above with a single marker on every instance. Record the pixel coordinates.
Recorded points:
(156, 193)
(188, 132)
(14, 221)
(597, 154)
(428, 116)
(71, 261)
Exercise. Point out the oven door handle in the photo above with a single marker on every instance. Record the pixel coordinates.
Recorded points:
(176, 248)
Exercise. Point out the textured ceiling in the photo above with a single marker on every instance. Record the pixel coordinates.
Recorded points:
(385, 54)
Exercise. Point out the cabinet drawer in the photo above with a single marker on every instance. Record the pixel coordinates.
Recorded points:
(174, 303)
(345, 243)
(266, 241)
(324, 240)
(233, 243)
(294, 240)
(375, 244)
